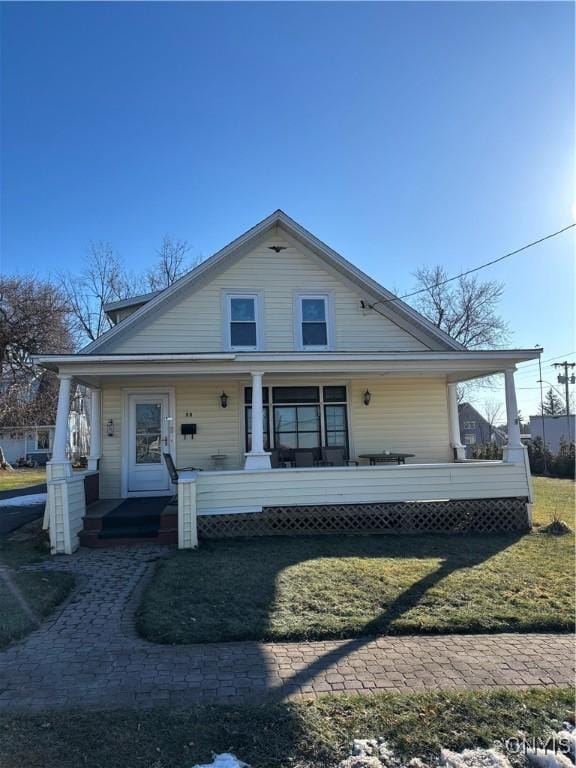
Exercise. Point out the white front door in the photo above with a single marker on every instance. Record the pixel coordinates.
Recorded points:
(148, 437)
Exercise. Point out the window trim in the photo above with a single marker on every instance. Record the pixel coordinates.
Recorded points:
(329, 305)
(321, 404)
(227, 297)
(37, 448)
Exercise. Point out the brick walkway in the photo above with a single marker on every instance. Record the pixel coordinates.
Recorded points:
(88, 655)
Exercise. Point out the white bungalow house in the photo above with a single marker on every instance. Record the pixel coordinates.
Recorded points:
(295, 386)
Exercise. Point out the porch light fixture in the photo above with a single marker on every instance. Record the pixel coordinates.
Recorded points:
(110, 427)
(224, 400)
(366, 397)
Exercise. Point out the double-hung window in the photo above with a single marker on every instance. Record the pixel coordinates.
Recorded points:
(243, 331)
(313, 322)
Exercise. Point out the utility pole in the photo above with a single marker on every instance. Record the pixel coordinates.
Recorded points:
(566, 380)
(542, 410)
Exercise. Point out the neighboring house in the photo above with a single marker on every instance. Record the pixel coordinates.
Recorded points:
(31, 443)
(268, 367)
(34, 444)
(475, 430)
(558, 429)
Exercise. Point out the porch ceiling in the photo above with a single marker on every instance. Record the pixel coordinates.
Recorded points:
(454, 366)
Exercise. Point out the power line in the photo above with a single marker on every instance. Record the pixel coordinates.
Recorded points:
(475, 269)
(547, 360)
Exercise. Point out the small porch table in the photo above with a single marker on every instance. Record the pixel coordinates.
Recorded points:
(383, 458)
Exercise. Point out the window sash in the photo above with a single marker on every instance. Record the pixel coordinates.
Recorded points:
(301, 435)
(242, 326)
(313, 329)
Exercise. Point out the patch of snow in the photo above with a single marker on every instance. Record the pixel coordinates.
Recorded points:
(473, 758)
(224, 760)
(541, 759)
(24, 501)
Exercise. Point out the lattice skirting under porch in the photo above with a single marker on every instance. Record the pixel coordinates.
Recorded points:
(463, 516)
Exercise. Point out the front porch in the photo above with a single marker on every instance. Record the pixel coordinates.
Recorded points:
(230, 417)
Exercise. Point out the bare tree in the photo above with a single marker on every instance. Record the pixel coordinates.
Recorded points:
(102, 279)
(466, 308)
(172, 261)
(492, 410)
(33, 319)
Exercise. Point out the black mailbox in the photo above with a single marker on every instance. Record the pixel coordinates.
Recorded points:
(188, 429)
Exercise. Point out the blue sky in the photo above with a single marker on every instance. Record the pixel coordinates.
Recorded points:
(401, 134)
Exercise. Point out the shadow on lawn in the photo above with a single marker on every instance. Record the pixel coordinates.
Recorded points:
(458, 553)
(248, 617)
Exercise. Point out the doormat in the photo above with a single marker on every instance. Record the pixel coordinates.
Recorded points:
(150, 506)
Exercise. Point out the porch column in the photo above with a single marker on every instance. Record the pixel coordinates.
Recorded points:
(257, 458)
(95, 428)
(60, 466)
(454, 423)
(513, 450)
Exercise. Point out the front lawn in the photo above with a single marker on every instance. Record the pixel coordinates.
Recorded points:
(26, 597)
(20, 478)
(308, 735)
(322, 587)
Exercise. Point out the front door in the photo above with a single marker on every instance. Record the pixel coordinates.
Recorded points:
(148, 438)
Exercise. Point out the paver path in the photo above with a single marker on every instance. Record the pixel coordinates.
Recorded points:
(89, 655)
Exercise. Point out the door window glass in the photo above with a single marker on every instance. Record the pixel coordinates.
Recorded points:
(148, 433)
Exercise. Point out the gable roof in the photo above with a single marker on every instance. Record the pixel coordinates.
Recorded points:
(391, 307)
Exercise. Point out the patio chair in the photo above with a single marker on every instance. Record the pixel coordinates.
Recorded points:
(304, 457)
(172, 471)
(286, 457)
(336, 457)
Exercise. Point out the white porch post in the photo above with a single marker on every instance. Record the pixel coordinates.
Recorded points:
(60, 466)
(258, 458)
(454, 423)
(513, 450)
(95, 428)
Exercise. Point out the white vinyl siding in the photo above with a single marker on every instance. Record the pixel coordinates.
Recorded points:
(407, 415)
(195, 322)
(236, 490)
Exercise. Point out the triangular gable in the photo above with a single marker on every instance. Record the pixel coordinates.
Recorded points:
(396, 311)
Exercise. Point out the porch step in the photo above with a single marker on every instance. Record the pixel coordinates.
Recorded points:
(94, 539)
(140, 531)
(124, 522)
(115, 522)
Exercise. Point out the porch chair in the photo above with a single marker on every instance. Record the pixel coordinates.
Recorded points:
(336, 457)
(172, 471)
(304, 457)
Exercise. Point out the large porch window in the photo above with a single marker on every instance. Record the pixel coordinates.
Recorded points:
(301, 417)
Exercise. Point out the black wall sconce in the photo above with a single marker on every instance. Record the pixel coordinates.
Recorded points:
(224, 400)
(110, 428)
(366, 397)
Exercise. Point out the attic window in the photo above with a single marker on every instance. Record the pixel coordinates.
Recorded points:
(243, 331)
(313, 321)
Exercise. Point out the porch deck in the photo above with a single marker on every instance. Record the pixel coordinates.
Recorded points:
(112, 522)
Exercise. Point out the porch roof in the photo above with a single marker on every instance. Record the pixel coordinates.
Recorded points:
(454, 365)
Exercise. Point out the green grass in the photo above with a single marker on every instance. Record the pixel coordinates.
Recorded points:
(305, 588)
(20, 478)
(303, 735)
(27, 597)
(554, 497)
